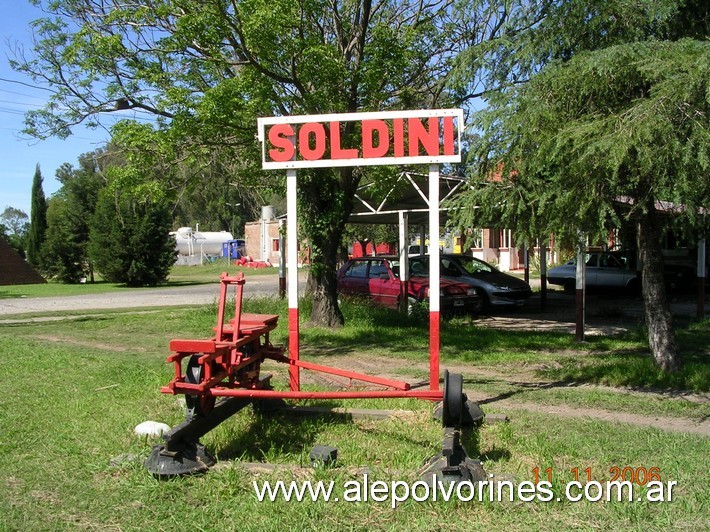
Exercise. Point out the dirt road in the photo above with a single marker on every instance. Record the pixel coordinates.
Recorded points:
(264, 286)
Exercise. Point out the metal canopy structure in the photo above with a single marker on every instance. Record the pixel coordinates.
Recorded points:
(408, 195)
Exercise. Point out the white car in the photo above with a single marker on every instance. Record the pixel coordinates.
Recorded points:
(604, 270)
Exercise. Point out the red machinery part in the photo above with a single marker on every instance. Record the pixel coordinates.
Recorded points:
(229, 363)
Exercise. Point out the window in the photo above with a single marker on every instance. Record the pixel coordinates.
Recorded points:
(419, 268)
(358, 269)
(472, 265)
(449, 269)
(377, 269)
(609, 261)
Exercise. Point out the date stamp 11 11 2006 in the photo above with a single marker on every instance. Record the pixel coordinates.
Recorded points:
(636, 475)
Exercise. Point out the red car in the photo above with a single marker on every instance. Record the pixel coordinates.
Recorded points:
(377, 278)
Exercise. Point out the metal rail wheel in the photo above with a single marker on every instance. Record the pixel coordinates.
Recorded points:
(202, 404)
(453, 401)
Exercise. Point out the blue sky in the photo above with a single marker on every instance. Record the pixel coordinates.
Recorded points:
(18, 154)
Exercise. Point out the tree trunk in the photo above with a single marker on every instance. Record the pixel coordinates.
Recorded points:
(323, 285)
(661, 337)
(323, 224)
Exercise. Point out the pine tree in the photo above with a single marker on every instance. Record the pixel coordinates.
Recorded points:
(69, 212)
(38, 221)
(130, 240)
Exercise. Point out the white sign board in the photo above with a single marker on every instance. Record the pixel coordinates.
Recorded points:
(361, 139)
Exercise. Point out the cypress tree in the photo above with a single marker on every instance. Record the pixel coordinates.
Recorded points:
(38, 221)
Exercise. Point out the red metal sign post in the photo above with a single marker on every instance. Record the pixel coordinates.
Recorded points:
(403, 137)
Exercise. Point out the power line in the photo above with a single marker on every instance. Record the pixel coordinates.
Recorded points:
(15, 103)
(38, 87)
(21, 112)
(136, 115)
(24, 95)
(12, 111)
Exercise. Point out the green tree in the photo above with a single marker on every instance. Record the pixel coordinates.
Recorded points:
(532, 34)
(208, 69)
(365, 233)
(14, 224)
(64, 257)
(608, 133)
(68, 215)
(38, 221)
(130, 238)
(217, 200)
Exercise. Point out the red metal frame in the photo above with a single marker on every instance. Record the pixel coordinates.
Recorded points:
(232, 360)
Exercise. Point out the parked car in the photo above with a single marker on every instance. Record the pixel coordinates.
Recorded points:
(377, 278)
(614, 269)
(416, 250)
(495, 288)
(604, 270)
(680, 278)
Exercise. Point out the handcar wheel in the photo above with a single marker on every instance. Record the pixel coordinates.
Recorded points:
(453, 403)
(197, 405)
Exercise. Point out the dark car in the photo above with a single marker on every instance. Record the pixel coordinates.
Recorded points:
(377, 278)
(680, 278)
(495, 288)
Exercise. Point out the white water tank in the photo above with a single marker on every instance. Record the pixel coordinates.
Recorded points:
(190, 243)
(267, 212)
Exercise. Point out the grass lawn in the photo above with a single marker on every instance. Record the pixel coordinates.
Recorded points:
(179, 276)
(75, 388)
(207, 273)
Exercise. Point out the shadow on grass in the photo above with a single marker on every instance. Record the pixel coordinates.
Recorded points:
(520, 388)
(383, 330)
(284, 432)
(620, 360)
(277, 431)
(50, 325)
(7, 295)
(634, 368)
(471, 441)
(635, 371)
